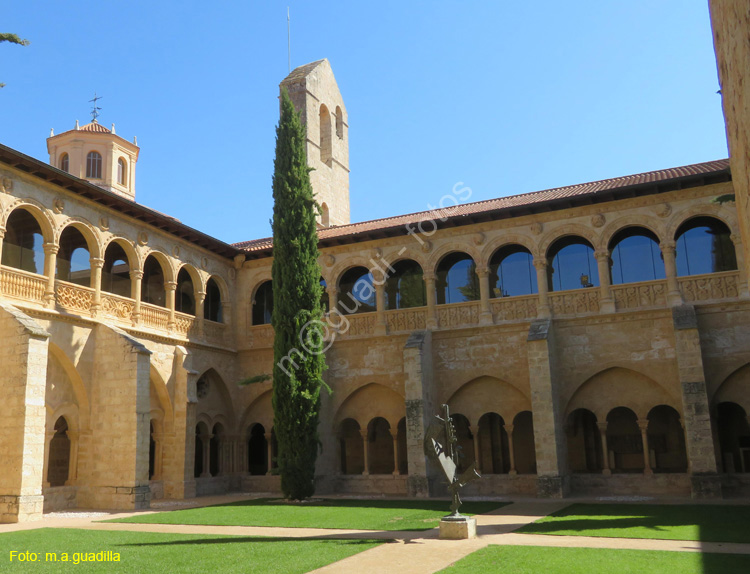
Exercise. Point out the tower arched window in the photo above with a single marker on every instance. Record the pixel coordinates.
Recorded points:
(325, 134)
(94, 165)
(122, 172)
(65, 163)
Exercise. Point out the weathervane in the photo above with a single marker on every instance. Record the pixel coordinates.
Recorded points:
(96, 109)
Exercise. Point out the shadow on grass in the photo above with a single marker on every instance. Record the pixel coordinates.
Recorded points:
(705, 523)
(253, 539)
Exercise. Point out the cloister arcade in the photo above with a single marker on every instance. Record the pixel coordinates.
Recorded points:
(79, 268)
(566, 260)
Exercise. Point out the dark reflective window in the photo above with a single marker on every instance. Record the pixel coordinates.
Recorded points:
(571, 265)
(263, 304)
(94, 165)
(65, 162)
(23, 246)
(325, 304)
(356, 292)
(704, 246)
(116, 271)
(512, 272)
(152, 284)
(184, 301)
(457, 279)
(404, 287)
(212, 303)
(635, 256)
(73, 259)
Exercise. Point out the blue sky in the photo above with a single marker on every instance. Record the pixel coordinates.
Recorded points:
(507, 97)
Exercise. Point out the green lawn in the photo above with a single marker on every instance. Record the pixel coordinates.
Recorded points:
(536, 559)
(708, 523)
(184, 553)
(351, 514)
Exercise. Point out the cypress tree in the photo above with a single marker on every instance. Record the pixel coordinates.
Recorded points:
(297, 372)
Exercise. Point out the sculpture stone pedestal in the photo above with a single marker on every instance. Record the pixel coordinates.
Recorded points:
(458, 528)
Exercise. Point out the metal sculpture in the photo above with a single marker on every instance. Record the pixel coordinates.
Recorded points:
(440, 446)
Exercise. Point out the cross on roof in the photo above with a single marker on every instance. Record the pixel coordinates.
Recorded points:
(96, 109)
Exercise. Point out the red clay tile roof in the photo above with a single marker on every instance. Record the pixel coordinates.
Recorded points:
(95, 127)
(560, 197)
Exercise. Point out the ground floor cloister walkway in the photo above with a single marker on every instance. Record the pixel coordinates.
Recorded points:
(408, 552)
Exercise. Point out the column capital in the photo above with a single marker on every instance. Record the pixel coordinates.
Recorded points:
(363, 433)
(136, 274)
(96, 262)
(667, 246)
(508, 428)
(602, 255)
(482, 272)
(643, 424)
(51, 248)
(429, 276)
(2, 232)
(332, 290)
(736, 239)
(170, 285)
(602, 426)
(540, 263)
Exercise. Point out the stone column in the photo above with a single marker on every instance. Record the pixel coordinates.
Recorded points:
(674, 297)
(363, 434)
(50, 268)
(543, 308)
(136, 277)
(49, 435)
(485, 315)
(420, 409)
(200, 299)
(2, 236)
(333, 297)
(549, 434)
(158, 442)
(738, 250)
(511, 454)
(381, 325)
(606, 302)
(605, 450)
(73, 460)
(206, 439)
(394, 436)
(643, 425)
(705, 481)
(429, 283)
(269, 451)
(477, 450)
(96, 283)
(169, 288)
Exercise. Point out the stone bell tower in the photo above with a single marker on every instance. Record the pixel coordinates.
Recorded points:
(316, 96)
(95, 153)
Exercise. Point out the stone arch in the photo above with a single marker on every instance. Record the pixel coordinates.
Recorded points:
(370, 401)
(484, 394)
(199, 285)
(164, 261)
(89, 232)
(38, 212)
(706, 210)
(648, 222)
(568, 230)
(76, 382)
(504, 240)
(221, 283)
(160, 398)
(71, 413)
(452, 247)
(735, 388)
(338, 270)
(259, 411)
(396, 255)
(214, 400)
(620, 387)
(133, 260)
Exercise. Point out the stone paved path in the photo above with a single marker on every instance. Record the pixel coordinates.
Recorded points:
(406, 552)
